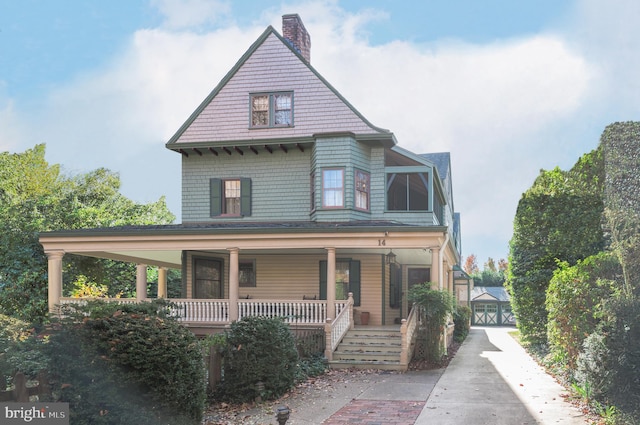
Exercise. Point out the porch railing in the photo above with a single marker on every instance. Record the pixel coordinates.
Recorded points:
(216, 311)
(83, 301)
(201, 311)
(335, 330)
(293, 312)
(408, 333)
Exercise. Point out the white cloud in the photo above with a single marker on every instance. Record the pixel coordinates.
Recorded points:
(11, 133)
(504, 110)
(181, 14)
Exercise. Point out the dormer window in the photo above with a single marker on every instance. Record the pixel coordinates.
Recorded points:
(272, 110)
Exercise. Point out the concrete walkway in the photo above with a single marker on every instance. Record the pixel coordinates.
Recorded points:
(492, 380)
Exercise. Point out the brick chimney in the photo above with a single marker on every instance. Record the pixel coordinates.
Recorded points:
(295, 33)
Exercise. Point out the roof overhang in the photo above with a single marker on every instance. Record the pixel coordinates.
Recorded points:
(163, 245)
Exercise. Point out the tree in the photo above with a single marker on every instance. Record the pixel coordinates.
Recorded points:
(490, 265)
(558, 218)
(471, 265)
(37, 197)
(490, 275)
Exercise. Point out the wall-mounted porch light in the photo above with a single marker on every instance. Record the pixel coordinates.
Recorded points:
(391, 257)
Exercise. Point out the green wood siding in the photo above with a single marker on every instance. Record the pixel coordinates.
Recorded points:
(278, 184)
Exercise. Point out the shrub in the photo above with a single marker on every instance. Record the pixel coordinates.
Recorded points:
(592, 372)
(259, 349)
(19, 351)
(610, 361)
(575, 302)
(624, 344)
(462, 321)
(437, 305)
(128, 364)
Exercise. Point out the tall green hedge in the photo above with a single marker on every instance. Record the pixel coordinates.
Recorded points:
(558, 218)
(621, 142)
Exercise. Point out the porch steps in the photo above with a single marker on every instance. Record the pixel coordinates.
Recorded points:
(369, 347)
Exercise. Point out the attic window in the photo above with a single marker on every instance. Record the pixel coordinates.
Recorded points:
(272, 110)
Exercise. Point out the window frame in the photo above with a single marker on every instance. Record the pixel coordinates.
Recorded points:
(194, 277)
(247, 263)
(355, 279)
(312, 178)
(325, 189)
(367, 190)
(217, 198)
(236, 199)
(272, 109)
(424, 177)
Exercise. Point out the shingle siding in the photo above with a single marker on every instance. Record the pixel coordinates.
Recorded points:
(280, 184)
(273, 67)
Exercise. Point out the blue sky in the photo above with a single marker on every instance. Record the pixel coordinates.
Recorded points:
(508, 87)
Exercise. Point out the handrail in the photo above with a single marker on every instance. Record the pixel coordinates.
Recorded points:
(336, 329)
(408, 333)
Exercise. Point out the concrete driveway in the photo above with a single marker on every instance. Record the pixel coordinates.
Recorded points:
(492, 380)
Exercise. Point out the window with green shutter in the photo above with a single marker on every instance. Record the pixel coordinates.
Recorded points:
(230, 197)
(347, 280)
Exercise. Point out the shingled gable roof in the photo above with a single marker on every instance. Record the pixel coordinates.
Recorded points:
(201, 129)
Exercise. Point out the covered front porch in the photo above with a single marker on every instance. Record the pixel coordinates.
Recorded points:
(299, 273)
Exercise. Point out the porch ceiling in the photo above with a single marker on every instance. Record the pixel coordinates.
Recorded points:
(163, 246)
(172, 259)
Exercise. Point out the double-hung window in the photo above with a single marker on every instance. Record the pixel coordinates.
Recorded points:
(230, 197)
(362, 190)
(333, 188)
(272, 110)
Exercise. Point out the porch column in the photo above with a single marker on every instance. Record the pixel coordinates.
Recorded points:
(435, 267)
(141, 282)
(162, 282)
(54, 263)
(331, 283)
(234, 283)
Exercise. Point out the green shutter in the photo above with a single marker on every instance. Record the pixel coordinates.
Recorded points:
(215, 190)
(354, 281)
(323, 279)
(245, 197)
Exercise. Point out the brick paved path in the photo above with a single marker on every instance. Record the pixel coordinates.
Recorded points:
(377, 412)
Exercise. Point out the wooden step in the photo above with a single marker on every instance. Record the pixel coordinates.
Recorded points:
(349, 364)
(369, 348)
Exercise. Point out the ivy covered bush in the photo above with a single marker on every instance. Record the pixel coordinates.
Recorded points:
(462, 321)
(259, 349)
(438, 306)
(121, 364)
